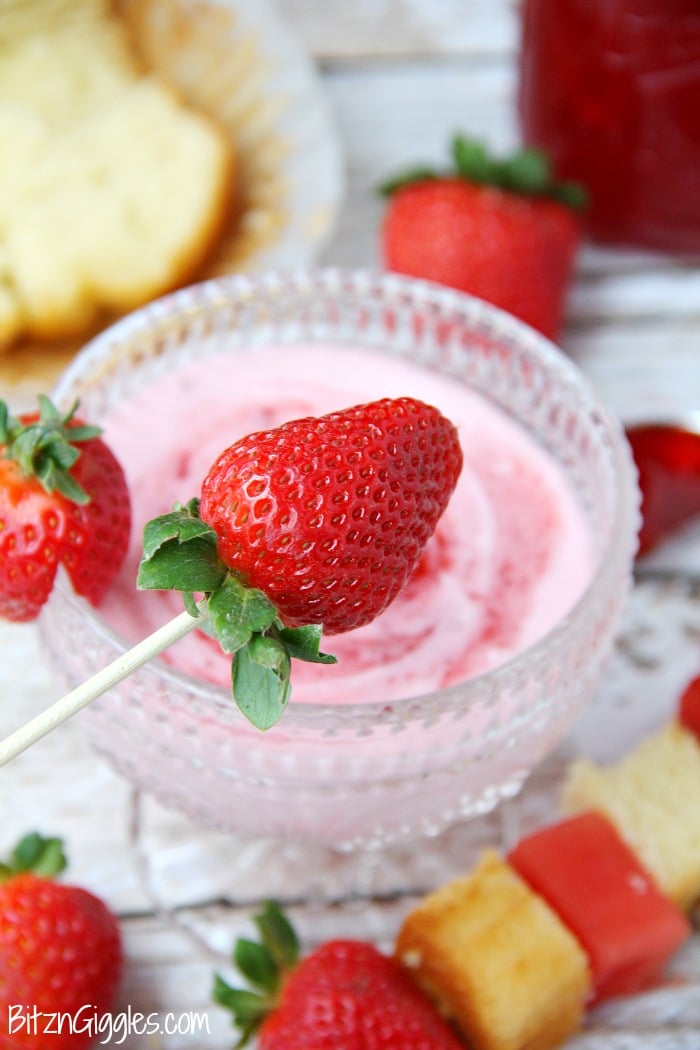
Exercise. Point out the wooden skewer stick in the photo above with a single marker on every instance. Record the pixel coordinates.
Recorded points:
(115, 672)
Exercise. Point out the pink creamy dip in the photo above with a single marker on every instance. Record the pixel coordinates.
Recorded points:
(510, 557)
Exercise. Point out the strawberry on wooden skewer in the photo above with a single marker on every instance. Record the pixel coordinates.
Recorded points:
(63, 500)
(501, 230)
(314, 526)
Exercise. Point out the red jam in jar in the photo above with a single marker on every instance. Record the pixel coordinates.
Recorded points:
(611, 90)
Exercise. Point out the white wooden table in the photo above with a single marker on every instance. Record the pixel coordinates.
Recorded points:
(401, 76)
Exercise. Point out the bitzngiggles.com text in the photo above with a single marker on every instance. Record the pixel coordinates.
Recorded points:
(106, 1029)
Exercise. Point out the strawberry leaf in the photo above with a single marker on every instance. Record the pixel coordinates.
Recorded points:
(44, 448)
(182, 523)
(48, 411)
(248, 1008)
(256, 964)
(237, 612)
(83, 432)
(261, 673)
(42, 856)
(63, 456)
(420, 173)
(34, 439)
(191, 566)
(527, 172)
(54, 479)
(572, 194)
(278, 935)
(179, 553)
(472, 160)
(264, 965)
(5, 419)
(190, 603)
(303, 643)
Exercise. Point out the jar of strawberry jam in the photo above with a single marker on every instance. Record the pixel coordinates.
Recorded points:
(611, 90)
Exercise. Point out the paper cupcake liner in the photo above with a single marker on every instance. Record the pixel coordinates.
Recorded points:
(236, 62)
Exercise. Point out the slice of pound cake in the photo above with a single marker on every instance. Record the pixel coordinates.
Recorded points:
(497, 960)
(111, 190)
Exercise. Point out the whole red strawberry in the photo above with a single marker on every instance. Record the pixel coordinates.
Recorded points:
(60, 953)
(345, 995)
(329, 516)
(63, 500)
(500, 230)
(314, 526)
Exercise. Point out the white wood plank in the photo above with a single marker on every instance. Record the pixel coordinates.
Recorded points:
(168, 978)
(61, 787)
(391, 118)
(337, 29)
(670, 292)
(643, 369)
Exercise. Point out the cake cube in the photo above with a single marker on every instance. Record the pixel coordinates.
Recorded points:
(497, 960)
(652, 796)
(597, 886)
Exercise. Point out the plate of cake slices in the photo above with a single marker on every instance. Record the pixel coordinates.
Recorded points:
(150, 144)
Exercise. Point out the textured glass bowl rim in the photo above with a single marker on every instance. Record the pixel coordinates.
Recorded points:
(615, 558)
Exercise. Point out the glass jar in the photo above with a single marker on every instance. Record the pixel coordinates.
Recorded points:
(611, 90)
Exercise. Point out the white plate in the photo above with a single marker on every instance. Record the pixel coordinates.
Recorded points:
(239, 61)
(313, 165)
